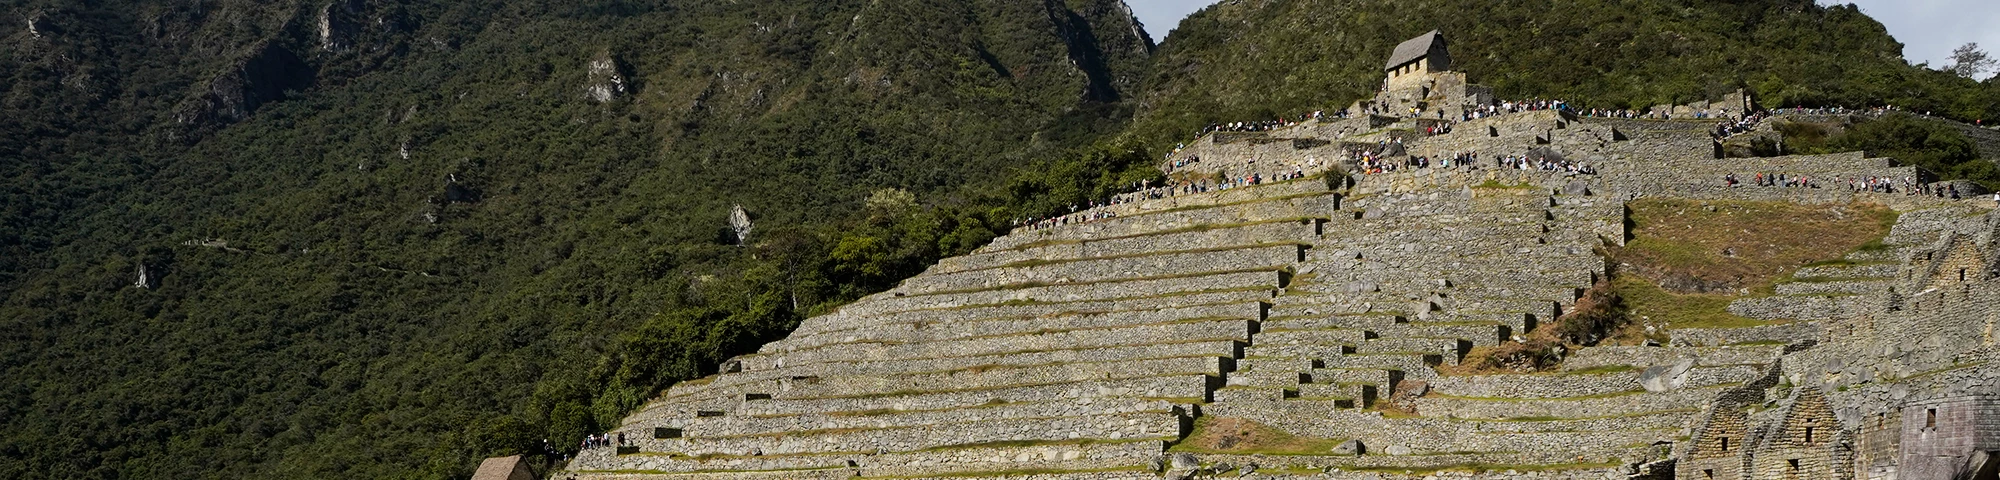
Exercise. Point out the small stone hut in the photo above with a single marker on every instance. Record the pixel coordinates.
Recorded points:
(504, 468)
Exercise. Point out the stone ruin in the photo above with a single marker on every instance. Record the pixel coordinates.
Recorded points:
(1087, 350)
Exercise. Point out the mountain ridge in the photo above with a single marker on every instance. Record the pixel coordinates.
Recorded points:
(440, 247)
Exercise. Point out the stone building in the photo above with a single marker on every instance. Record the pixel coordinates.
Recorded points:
(1419, 82)
(1954, 437)
(1718, 446)
(1804, 442)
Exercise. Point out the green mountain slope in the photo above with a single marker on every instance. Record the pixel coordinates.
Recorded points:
(387, 238)
(1257, 59)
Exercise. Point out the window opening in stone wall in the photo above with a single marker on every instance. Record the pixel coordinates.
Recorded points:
(1725, 444)
(1809, 434)
(1961, 274)
(1930, 418)
(1794, 463)
(1710, 474)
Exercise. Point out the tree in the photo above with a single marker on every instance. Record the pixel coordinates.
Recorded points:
(1969, 61)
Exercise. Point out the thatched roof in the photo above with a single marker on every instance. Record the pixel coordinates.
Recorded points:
(1415, 49)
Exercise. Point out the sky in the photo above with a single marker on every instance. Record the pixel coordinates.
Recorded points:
(1929, 29)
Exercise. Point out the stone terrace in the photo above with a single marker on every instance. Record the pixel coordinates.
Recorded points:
(1088, 350)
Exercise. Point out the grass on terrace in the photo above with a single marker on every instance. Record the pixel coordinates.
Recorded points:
(1236, 436)
(1688, 259)
(1691, 246)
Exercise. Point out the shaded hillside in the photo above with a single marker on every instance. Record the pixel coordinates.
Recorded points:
(1257, 59)
(387, 238)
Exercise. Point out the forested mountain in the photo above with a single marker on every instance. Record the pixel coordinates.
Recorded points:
(384, 238)
(1256, 59)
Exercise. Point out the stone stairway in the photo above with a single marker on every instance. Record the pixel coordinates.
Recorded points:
(1406, 282)
(1411, 282)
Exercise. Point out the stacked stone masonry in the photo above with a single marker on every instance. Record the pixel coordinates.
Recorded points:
(1089, 350)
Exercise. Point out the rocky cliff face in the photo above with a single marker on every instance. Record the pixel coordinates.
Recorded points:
(265, 74)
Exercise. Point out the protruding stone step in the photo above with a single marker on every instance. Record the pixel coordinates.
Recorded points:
(1351, 375)
(904, 439)
(1184, 331)
(722, 386)
(1450, 347)
(1253, 394)
(1403, 362)
(952, 330)
(1195, 238)
(1165, 385)
(1602, 357)
(1215, 290)
(1273, 378)
(1570, 385)
(1614, 404)
(1361, 394)
(1838, 287)
(1850, 271)
(1193, 281)
(1263, 210)
(1107, 269)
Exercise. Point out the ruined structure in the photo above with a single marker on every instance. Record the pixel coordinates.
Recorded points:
(1088, 349)
(1419, 82)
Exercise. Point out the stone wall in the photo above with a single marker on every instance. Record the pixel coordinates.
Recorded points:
(1324, 307)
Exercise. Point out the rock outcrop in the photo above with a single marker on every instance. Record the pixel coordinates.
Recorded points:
(261, 76)
(606, 80)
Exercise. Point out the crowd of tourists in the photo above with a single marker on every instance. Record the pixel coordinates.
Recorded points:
(1761, 179)
(1191, 160)
(1371, 161)
(603, 440)
(1869, 184)
(1545, 163)
(1739, 126)
(1074, 217)
(1092, 211)
(1269, 125)
(1437, 129)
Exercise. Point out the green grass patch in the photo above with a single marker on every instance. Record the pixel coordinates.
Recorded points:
(1237, 436)
(1646, 302)
(1495, 184)
(1690, 246)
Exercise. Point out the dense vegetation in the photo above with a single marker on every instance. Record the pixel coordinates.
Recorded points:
(1934, 145)
(437, 248)
(1259, 59)
(389, 250)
